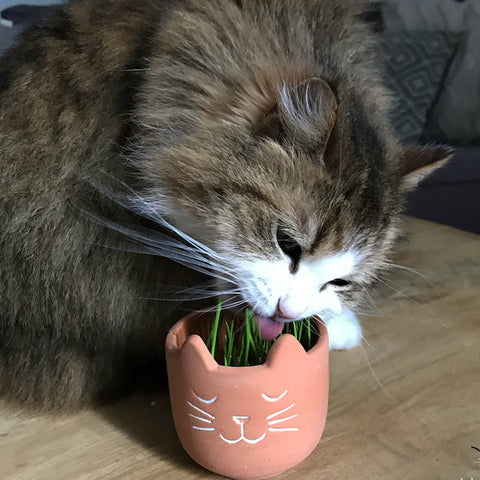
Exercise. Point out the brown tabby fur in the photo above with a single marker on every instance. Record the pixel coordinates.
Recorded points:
(187, 91)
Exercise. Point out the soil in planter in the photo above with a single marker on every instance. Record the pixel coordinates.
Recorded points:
(237, 341)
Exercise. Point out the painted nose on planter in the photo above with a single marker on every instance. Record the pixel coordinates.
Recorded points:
(241, 419)
(285, 311)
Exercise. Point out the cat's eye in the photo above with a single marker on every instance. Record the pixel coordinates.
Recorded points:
(288, 245)
(339, 282)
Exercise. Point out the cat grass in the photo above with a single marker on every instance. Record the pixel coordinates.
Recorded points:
(242, 344)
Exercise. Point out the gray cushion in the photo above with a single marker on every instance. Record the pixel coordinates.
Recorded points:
(456, 116)
(415, 66)
(431, 15)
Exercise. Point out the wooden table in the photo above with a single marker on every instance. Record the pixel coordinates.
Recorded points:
(406, 405)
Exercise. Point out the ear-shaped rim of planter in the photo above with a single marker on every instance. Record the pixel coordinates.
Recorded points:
(185, 338)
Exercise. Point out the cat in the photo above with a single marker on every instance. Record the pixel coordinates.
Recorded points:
(244, 143)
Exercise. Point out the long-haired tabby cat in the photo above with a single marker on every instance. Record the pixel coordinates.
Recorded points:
(242, 146)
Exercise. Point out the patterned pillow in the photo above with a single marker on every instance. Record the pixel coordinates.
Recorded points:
(424, 15)
(415, 65)
(455, 117)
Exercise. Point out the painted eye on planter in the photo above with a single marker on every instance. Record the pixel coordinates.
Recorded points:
(268, 398)
(205, 400)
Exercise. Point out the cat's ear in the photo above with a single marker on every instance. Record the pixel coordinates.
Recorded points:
(420, 161)
(303, 116)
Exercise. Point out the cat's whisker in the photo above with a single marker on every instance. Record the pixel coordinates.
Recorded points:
(387, 284)
(365, 314)
(369, 297)
(314, 328)
(380, 384)
(131, 70)
(242, 310)
(151, 239)
(408, 269)
(212, 291)
(225, 305)
(174, 293)
(206, 310)
(253, 309)
(235, 304)
(369, 344)
(135, 206)
(280, 420)
(195, 255)
(190, 297)
(169, 249)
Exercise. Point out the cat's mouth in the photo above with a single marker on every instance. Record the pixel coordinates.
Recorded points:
(270, 327)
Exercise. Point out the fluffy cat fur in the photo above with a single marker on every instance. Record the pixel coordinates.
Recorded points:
(227, 119)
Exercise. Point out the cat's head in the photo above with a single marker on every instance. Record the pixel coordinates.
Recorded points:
(267, 140)
(296, 188)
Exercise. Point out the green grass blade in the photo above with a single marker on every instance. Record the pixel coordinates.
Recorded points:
(288, 328)
(256, 329)
(229, 338)
(248, 341)
(229, 343)
(266, 348)
(225, 352)
(209, 341)
(300, 330)
(216, 324)
(309, 332)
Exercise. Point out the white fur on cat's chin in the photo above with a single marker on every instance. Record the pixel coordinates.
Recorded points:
(265, 282)
(344, 331)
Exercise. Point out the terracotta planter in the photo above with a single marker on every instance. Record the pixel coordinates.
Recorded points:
(247, 422)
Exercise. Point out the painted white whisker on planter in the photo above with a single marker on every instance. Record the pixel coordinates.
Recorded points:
(280, 411)
(283, 429)
(280, 420)
(200, 418)
(242, 420)
(201, 411)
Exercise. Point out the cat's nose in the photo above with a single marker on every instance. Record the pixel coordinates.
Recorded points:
(241, 419)
(284, 311)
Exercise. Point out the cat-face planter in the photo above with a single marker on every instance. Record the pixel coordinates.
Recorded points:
(247, 422)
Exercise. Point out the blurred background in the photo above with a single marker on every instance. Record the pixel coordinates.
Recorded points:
(432, 65)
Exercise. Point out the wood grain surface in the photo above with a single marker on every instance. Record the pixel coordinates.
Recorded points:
(406, 405)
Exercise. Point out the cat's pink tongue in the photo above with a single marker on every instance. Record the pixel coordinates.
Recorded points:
(269, 328)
